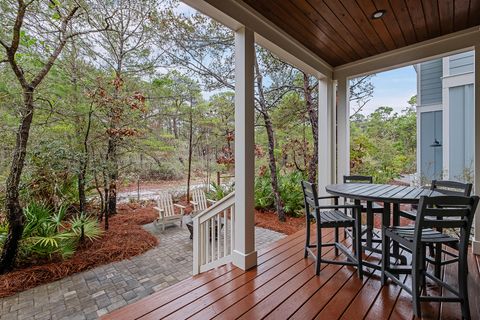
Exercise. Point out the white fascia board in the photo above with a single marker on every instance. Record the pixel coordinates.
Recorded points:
(453, 43)
(236, 14)
(459, 79)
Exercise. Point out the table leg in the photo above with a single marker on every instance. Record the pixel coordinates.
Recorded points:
(396, 223)
(369, 224)
(357, 203)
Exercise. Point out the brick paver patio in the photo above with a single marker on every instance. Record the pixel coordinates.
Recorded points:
(90, 294)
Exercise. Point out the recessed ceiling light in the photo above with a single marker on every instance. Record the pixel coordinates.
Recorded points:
(378, 14)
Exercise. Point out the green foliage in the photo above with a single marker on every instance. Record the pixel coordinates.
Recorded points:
(264, 198)
(383, 144)
(218, 191)
(49, 234)
(290, 192)
(85, 226)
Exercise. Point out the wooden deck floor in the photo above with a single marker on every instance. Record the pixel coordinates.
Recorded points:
(284, 285)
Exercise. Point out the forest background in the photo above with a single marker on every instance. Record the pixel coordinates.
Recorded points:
(96, 95)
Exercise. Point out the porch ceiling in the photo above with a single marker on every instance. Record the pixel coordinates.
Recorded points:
(343, 31)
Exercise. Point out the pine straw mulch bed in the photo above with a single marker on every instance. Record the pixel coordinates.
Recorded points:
(269, 220)
(124, 239)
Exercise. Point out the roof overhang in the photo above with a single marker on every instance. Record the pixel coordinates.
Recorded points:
(236, 14)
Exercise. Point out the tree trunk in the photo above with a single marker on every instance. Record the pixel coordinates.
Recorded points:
(313, 117)
(14, 209)
(82, 199)
(273, 167)
(271, 144)
(112, 176)
(190, 142)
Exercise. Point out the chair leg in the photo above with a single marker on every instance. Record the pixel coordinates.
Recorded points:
(417, 265)
(307, 239)
(358, 242)
(319, 249)
(385, 255)
(463, 279)
(424, 270)
(336, 241)
(346, 213)
(438, 260)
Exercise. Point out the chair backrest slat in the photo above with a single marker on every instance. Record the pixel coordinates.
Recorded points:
(447, 212)
(357, 179)
(445, 224)
(200, 199)
(310, 196)
(443, 212)
(165, 202)
(452, 188)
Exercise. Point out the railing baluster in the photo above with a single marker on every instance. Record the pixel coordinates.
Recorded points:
(225, 229)
(207, 249)
(218, 236)
(232, 235)
(212, 236)
(208, 233)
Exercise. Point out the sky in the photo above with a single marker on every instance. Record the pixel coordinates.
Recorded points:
(393, 89)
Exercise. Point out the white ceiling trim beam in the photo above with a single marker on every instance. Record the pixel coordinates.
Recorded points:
(430, 49)
(235, 14)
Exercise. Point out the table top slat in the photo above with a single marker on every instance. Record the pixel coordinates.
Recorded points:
(372, 190)
(385, 191)
(380, 192)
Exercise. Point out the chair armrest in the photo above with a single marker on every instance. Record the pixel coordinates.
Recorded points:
(211, 201)
(327, 197)
(194, 203)
(158, 209)
(341, 207)
(182, 208)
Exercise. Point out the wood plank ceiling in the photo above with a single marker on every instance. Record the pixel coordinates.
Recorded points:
(342, 31)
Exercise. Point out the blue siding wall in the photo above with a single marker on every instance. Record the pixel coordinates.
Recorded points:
(461, 133)
(431, 158)
(431, 82)
(461, 63)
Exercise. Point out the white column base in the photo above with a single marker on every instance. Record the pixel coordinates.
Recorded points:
(476, 247)
(244, 261)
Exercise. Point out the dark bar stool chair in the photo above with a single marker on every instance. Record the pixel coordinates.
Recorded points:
(331, 216)
(448, 188)
(368, 207)
(455, 212)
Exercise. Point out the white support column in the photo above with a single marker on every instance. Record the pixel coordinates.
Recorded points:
(326, 134)
(476, 242)
(343, 129)
(244, 254)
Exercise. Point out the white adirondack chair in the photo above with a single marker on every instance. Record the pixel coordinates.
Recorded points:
(166, 210)
(200, 201)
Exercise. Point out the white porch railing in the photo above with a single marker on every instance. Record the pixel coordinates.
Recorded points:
(213, 235)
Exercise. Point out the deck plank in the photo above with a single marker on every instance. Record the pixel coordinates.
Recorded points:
(284, 285)
(247, 283)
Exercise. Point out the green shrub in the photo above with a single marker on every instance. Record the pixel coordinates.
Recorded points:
(290, 192)
(48, 234)
(218, 192)
(263, 192)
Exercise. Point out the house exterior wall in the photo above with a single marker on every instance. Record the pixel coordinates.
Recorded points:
(455, 103)
(431, 82)
(461, 63)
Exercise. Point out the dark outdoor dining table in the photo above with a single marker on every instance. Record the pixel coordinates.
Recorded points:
(390, 195)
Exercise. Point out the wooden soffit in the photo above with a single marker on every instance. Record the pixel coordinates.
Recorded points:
(343, 31)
